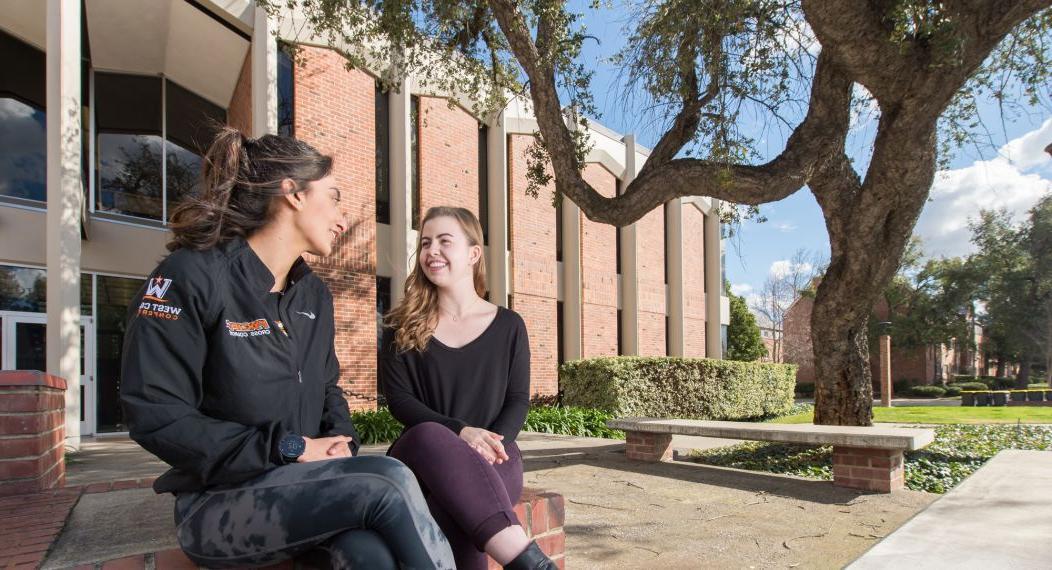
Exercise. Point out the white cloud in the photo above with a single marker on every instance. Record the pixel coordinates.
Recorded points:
(741, 288)
(785, 227)
(958, 195)
(784, 267)
(1028, 150)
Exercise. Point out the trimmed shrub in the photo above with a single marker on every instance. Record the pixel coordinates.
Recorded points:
(806, 390)
(699, 388)
(571, 421)
(995, 383)
(952, 391)
(971, 386)
(901, 386)
(927, 391)
(1039, 386)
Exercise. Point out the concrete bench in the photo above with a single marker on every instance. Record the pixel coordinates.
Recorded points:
(867, 458)
(997, 518)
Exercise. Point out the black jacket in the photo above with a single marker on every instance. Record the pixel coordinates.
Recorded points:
(210, 381)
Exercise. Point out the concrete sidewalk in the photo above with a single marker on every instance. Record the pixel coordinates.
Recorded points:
(619, 513)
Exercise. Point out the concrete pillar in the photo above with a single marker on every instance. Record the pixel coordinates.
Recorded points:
(64, 204)
(629, 264)
(675, 294)
(571, 222)
(497, 193)
(713, 283)
(885, 370)
(264, 76)
(403, 244)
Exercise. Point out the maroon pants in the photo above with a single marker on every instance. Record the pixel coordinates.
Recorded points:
(470, 499)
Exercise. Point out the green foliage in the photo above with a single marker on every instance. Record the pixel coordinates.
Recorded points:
(958, 451)
(971, 386)
(743, 334)
(995, 383)
(582, 422)
(1041, 386)
(678, 387)
(376, 426)
(952, 391)
(806, 390)
(379, 426)
(927, 391)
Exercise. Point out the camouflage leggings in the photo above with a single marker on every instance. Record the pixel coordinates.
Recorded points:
(367, 512)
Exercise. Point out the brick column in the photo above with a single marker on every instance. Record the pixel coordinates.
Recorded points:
(644, 446)
(542, 515)
(32, 432)
(879, 470)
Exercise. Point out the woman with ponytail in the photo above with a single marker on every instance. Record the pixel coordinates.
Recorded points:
(455, 371)
(230, 376)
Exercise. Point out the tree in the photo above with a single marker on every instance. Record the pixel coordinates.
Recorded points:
(743, 334)
(783, 287)
(1017, 289)
(930, 304)
(706, 63)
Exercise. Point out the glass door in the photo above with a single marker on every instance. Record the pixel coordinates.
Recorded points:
(23, 346)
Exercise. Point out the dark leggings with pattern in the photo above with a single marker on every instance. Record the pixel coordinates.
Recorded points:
(366, 512)
(471, 499)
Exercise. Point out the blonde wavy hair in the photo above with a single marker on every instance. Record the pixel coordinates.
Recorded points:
(416, 316)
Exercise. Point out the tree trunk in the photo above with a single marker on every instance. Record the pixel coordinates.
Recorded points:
(843, 380)
(1023, 379)
(1000, 373)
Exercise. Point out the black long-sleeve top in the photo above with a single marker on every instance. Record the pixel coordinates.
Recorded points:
(485, 383)
(216, 370)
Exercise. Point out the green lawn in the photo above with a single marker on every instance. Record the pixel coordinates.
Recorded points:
(947, 415)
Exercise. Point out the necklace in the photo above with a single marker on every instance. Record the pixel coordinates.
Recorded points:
(465, 311)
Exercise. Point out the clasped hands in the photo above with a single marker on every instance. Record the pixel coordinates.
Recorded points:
(486, 443)
(322, 448)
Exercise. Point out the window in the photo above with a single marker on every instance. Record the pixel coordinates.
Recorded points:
(130, 123)
(285, 91)
(191, 122)
(664, 234)
(23, 134)
(559, 332)
(25, 289)
(414, 142)
(383, 158)
(617, 246)
(383, 304)
(112, 297)
(620, 334)
(723, 338)
(558, 227)
(484, 182)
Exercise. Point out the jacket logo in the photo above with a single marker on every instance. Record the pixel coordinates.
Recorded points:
(258, 327)
(309, 315)
(156, 288)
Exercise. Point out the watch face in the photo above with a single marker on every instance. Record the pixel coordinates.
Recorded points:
(292, 446)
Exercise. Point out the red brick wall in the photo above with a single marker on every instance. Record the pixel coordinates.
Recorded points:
(650, 255)
(694, 281)
(448, 156)
(533, 267)
(335, 112)
(796, 338)
(599, 274)
(239, 112)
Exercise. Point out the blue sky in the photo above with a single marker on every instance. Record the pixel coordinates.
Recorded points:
(1011, 172)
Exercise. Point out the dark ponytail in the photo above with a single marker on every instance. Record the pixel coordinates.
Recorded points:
(241, 178)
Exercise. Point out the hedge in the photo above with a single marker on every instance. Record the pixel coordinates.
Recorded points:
(927, 391)
(668, 387)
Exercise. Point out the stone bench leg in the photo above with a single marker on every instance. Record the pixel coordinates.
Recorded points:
(644, 446)
(868, 469)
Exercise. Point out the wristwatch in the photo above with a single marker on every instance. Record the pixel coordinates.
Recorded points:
(291, 447)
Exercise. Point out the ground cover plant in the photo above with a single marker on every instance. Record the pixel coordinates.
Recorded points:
(957, 452)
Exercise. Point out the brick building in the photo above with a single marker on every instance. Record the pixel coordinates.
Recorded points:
(923, 365)
(128, 94)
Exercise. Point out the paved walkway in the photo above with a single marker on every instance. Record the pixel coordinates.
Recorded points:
(1001, 516)
(619, 514)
